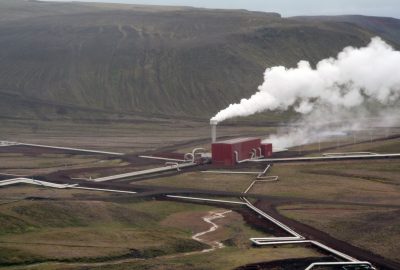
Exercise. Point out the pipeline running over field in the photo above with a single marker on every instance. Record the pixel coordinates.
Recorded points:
(295, 238)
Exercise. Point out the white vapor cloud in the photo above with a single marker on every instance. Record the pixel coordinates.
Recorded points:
(337, 88)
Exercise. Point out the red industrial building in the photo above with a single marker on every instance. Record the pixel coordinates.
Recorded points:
(227, 153)
(266, 149)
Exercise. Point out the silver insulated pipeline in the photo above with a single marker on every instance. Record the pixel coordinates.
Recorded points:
(213, 124)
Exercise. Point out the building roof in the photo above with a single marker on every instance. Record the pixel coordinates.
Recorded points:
(237, 140)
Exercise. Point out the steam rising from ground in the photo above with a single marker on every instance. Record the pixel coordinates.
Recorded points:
(358, 84)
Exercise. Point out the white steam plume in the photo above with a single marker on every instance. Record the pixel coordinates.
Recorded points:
(355, 75)
(338, 87)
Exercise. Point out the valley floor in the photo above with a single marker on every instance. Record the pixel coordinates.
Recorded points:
(356, 202)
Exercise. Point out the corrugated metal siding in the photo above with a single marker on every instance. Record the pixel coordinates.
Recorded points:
(245, 148)
(266, 149)
(223, 152)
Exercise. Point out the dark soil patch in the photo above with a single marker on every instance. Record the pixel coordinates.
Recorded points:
(314, 234)
(289, 264)
(36, 150)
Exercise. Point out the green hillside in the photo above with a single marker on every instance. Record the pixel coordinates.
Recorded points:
(78, 60)
(387, 28)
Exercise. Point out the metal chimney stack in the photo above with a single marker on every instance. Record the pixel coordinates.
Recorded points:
(213, 124)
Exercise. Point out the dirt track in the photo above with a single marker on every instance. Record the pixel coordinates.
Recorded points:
(289, 264)
(312, 233)
(267, 204)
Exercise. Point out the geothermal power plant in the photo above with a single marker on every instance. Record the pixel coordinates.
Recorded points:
(237, 150)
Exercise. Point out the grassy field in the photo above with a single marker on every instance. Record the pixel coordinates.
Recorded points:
(20, 192)
(126, 137)
(224, 259)
(353, 181)
(374, 229)
(89, 231)
(78, 230)
(27, 164)
(372, 182)
(67, 228)
(199, 180)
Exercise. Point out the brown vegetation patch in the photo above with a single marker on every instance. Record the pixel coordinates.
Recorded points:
(191, 221)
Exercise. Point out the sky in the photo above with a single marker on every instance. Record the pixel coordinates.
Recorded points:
(387, 8)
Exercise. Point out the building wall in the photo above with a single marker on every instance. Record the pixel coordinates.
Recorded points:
(223, 152)
(266, 149)
(245, 148)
